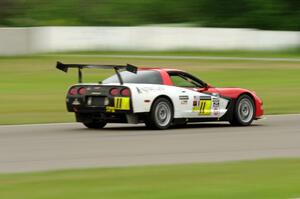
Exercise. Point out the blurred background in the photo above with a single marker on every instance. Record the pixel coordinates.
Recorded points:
(261, 14)
(253, 44)
(243, 43)
(148, 25)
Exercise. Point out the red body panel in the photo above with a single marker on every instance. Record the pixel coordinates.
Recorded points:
(232, 93)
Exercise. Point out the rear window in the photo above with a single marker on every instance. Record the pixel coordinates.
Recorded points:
(142, 77)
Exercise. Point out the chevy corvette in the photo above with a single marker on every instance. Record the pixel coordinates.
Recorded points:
(157, 97)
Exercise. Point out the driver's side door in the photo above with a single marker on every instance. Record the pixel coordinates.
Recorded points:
(200, 104)
(181, 79)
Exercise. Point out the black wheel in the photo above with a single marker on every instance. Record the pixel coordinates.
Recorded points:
(161, 114)
(244, 111)
(94, 125)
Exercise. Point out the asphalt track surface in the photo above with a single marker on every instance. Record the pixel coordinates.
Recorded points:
(61, 146)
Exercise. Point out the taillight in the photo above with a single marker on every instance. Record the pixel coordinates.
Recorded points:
(82, 91)
(125, 92)
(114, 91)
(73, 91)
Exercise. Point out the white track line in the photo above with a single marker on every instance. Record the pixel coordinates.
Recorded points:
(183, 57)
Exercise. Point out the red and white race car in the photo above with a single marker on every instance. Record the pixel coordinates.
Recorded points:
(157, 97)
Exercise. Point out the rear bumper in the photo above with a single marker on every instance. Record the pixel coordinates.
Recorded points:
(105, 109)
(114, 112)
(97, 116)
(115, 105)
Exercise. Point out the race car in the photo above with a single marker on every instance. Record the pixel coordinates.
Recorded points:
(158, 97)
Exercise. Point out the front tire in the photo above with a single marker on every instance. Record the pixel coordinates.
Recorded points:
(94, 125)
(161, 114)
(244, 111)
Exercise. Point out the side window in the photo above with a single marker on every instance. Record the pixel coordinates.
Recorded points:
(183, 81)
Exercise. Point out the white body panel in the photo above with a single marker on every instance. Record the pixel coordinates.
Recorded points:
(183, 100)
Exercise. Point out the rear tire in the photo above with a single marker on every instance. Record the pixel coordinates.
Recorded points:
(94, 125)
(161, 114)
(244, 111)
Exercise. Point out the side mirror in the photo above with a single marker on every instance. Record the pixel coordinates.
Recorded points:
(207, 86)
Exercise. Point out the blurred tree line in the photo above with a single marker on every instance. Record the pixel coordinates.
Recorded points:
(261, 14)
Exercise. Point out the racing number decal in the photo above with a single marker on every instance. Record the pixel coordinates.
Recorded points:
(205, 107)
(122, 103)
(202, 105)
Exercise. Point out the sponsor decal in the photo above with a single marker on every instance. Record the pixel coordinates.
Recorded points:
(216, 106)
(120, 103)
(110, 109)
(184, 102)
(216, 102)
(216, 111)
(150, 89)
(183, 97)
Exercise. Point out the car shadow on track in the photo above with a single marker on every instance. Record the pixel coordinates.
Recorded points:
(188, 126)
(142, 130)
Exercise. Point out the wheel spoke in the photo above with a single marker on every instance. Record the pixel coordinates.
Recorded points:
(163, 113)
(245, 110)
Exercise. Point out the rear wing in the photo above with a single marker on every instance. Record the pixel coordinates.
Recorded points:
(65, 67)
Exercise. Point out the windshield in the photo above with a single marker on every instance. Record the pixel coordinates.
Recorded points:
(142, 77)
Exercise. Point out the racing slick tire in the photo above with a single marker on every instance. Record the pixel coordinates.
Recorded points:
(244, 111)
(94, 125)
(161, 114)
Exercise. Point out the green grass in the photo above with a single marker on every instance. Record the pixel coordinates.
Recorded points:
(265, 179)
(33, 91)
